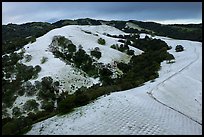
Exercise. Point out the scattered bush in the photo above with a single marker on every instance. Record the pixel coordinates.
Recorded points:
(43, 60)
(29, 88)
(130, 52)
(169, 58)
(101, 41)
(28, 58)
(105, 76)
(179, 48)
(21, 92)
(16, 111)
(114, 46)
(30, 105)
(37, 68)
(122, 41)
(96, 53)
(169, 47)
(48, 106)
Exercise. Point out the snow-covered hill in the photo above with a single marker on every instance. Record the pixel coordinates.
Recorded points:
(58, 69)
(172, 104)
(87, 36)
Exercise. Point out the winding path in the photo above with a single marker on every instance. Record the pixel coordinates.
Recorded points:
(150, 93)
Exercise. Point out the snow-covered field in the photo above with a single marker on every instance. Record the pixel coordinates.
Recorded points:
(172, 104)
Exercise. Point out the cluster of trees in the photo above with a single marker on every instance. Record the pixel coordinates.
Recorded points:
(22, 74)
(140, 69)
(123, 48)
(188, 32)
(32, 39)
(16, 36)
(79, 57)
(13, 76)
(21, 125)
(87, 21)
(31, 105)
(48, 90)
(83, 96)
(131, 36)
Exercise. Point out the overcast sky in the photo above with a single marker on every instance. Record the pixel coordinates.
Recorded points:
(161, 12)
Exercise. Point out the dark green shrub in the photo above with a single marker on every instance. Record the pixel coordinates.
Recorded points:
(47, 82)
(16, 126)
(96, 54)
(32, 39)
(124, 67)
(28, 58)
(114, 46)
(43, 60)
(179, 48)
(9, 128)
(56, 83)
(130, 52)
(72, 48)
(37, 68)
(122, 41)
(48, 105)
(81, 98)
(67, 104)
(127, 42)
(30, 105)
(21, 92)
(101, 41)
(169, 57)
(105, 76)
(16, 111)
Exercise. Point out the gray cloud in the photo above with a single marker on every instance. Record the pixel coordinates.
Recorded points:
(21, 12)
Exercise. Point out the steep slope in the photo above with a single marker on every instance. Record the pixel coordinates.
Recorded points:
(162, 107)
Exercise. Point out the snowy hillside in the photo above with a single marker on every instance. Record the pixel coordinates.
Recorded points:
(70, 78)
(77, 35)
(172, 104)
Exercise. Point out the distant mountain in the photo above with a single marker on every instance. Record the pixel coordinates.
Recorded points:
(14, 36)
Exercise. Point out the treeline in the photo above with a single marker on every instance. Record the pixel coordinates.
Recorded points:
(16, 36)
(186, 32)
